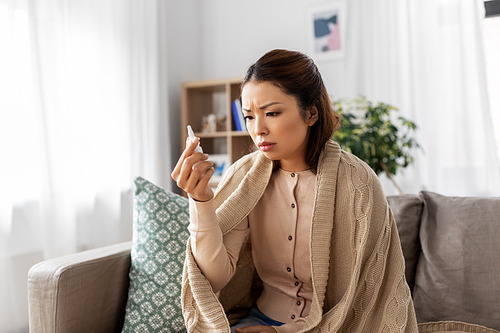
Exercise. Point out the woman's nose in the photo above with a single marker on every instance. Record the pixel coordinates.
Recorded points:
(260, 126)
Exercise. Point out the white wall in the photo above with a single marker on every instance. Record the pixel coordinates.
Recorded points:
(236, 33)
(182, 54)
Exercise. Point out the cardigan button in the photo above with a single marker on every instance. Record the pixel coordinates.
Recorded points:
(288, 269)
(296, 283)
(290, 238)
(293, 175)
(293, 205)
(293, 316)
(298, 302)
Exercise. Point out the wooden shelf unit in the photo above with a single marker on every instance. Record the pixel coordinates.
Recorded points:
(201, 98)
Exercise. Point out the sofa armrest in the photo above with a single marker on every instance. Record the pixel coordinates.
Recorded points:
(82, 292)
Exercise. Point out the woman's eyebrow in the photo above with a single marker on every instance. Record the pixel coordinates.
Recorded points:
(263, 107)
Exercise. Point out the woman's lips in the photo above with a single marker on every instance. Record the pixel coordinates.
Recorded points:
(265, 146)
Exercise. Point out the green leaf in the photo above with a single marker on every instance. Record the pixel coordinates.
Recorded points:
(373, 136)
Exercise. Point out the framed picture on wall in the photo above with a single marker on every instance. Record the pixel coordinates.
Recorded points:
(326, 30)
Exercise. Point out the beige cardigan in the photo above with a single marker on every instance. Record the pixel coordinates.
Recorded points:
(357, 263)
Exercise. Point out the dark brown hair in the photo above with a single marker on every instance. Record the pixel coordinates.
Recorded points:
(297, 75)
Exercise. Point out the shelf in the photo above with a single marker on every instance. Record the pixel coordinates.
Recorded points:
(202, 98)
(239, 133)
(221, 134)
(210, 134)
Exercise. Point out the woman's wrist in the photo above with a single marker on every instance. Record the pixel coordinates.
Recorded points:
(202, 199)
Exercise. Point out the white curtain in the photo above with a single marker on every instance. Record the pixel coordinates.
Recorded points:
(426, 57)
(80, 107)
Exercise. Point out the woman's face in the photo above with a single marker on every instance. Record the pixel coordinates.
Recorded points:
(274, 122)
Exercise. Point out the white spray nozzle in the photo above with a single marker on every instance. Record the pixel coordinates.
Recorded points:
(191, 138)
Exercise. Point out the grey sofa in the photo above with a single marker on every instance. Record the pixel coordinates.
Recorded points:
(451, 247)
(83, 292)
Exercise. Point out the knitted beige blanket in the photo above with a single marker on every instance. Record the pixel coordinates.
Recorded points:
(357, 264)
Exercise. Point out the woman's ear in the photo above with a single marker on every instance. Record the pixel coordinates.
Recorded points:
(312, 116)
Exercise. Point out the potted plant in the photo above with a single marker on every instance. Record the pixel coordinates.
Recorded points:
(369, 131)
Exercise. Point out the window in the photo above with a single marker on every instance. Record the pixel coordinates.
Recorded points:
(492, 52)
(19, 144)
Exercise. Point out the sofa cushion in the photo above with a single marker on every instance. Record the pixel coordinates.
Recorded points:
(407, 210)
(458, 272)
(453, 327)
(158, 251)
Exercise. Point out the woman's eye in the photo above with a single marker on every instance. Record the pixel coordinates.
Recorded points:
(272, 114)
(247, 118)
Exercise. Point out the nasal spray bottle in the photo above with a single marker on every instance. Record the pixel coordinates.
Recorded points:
(191, 138)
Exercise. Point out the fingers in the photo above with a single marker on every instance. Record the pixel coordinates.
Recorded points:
(206, 176)
(203, 192)
(193, 172)
(188, 151)
(197, 184)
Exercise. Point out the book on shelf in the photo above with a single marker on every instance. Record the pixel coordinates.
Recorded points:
(239, 121)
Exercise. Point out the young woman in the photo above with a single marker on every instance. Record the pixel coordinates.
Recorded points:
(299, 236)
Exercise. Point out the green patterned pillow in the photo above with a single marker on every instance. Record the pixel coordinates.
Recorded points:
(160, 234)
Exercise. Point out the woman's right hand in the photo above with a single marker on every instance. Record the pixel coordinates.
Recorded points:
(193, 172)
